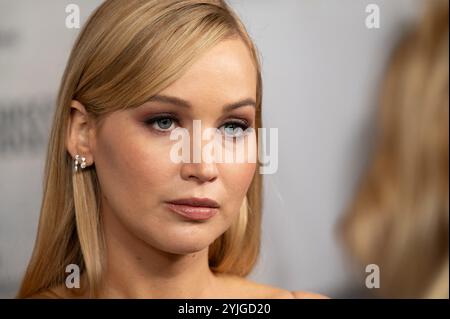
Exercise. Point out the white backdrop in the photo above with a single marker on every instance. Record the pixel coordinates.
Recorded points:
(321, 72)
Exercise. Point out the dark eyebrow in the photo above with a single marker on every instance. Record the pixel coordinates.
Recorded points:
(183, 103)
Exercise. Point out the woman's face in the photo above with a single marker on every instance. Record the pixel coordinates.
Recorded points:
(132, 153)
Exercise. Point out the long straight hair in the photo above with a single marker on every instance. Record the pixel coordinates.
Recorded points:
(127, 52)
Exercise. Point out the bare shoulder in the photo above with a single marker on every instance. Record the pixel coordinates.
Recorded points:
(240, 287)
(307, 295)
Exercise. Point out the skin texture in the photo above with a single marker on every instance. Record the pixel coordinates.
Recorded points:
(151, 251)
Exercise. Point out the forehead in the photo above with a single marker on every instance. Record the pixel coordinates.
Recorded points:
(223, 74)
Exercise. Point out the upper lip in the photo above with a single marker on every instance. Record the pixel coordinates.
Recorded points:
(196, 202)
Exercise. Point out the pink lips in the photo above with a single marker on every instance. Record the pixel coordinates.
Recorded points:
(194, 208)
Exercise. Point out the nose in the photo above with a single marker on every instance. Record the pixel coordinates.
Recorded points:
(200, 170)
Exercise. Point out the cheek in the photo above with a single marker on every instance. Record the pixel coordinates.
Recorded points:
(133, 168)
(237, 178)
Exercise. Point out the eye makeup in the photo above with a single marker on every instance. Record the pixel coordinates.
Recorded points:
(164, 123)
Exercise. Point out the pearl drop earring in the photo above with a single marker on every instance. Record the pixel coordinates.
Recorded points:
(79, 160)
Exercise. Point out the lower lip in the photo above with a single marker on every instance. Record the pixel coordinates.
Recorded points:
(193, 212)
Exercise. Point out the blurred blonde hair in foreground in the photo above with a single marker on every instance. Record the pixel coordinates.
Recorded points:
(399, 219)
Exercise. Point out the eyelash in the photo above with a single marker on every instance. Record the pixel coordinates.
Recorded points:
(241, 123)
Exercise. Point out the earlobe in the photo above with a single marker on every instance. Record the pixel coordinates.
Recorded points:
(78, 127)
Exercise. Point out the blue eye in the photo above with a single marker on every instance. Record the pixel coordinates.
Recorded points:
(234, 129)
(162, 123)
(166, 123)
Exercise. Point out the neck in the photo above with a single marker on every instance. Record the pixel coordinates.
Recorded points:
(135, 269)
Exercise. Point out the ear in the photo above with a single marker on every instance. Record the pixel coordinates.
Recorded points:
(80, 132)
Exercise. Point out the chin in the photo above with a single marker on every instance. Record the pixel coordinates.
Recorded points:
(183, 248)
(187, 243)
(180, 238)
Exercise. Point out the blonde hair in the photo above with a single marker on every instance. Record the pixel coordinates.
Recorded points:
(399, 218)
(127, 52)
